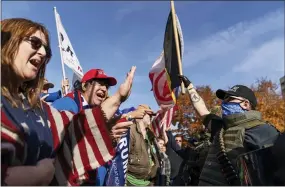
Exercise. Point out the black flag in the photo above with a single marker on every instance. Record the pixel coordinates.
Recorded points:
(170, 54)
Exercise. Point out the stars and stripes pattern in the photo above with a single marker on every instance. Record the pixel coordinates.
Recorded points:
(81, 143)
(163, 118)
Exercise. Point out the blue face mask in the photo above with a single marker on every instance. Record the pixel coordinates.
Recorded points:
(229, 108)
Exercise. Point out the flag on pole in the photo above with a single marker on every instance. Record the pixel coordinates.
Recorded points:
(68, 55)
(163, 74)
(170, 54)
(160, 87)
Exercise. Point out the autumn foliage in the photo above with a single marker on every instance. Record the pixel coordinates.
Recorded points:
(270, 104)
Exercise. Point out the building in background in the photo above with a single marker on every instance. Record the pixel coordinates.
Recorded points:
(282, 83)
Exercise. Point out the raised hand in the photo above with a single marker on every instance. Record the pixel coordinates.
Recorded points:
(111, 105)
(185, 80)
(65, 85)
(125, 88)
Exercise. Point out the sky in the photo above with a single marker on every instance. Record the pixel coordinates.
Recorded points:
(226, 43)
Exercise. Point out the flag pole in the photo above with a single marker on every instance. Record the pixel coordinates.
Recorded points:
(59, 46)
(177, 43)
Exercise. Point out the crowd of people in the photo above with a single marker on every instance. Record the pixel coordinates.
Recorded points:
(69, 138)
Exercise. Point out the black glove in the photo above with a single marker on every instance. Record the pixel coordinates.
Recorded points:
(185, 80)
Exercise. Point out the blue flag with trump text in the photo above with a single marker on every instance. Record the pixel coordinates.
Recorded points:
(118, 168)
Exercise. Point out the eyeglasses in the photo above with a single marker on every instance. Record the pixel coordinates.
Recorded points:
(37, 43)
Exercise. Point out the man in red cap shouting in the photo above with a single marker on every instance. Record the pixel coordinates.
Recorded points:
(92, 92)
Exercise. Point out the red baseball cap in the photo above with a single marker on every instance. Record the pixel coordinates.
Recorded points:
(98, 74)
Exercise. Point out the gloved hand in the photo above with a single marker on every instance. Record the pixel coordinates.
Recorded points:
(185, 80)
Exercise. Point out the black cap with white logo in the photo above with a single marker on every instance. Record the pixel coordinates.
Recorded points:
(238, 91)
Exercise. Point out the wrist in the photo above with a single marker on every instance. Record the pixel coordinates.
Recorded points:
(190, 87)
(129, 116)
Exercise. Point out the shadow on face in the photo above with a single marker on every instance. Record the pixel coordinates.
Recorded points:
(96, 92)
(160, 143)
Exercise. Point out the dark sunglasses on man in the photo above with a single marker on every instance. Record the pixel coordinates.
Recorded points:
(231, 98)
(37, 43)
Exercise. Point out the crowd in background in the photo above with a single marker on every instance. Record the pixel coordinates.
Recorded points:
(70, 138)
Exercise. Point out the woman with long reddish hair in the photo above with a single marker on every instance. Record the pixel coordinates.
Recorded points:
(40, 145)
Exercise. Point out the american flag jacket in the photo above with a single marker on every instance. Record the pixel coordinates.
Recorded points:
(79, 143)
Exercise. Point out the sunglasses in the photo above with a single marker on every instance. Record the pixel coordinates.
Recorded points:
(100, 82)
(230, 98)
(178, 140)
(37, 43)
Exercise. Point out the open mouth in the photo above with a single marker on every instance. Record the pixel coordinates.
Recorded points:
(35, 62)
(101, 95)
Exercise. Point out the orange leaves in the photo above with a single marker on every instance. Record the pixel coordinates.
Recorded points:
(270, 104)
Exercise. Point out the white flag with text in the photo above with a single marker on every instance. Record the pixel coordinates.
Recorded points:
(68, 55)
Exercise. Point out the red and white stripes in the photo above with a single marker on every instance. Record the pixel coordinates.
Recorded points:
(82, 142)
(158, 78)
(161, 119)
